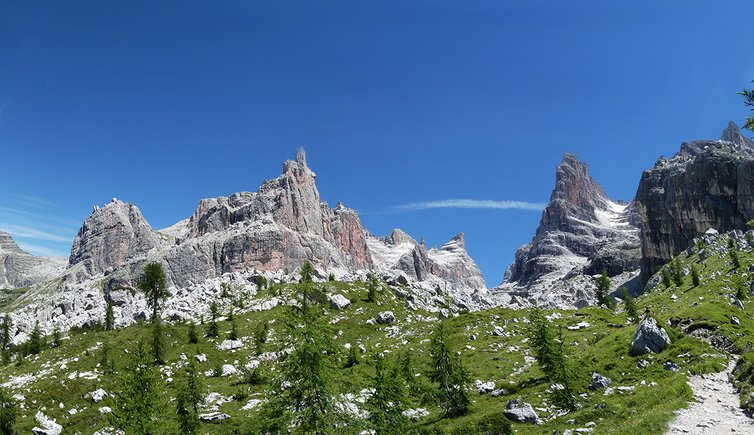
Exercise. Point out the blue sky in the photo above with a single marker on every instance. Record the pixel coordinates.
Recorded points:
(401, 105)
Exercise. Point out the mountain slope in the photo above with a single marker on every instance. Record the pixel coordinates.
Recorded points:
(18, 268)
(582, 233)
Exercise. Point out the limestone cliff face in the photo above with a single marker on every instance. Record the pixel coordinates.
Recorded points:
(582, 232)
(449, 264)
(111, 236)
(707, 184)
(20, 269)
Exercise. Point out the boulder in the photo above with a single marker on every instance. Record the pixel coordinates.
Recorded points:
(385, 317)
(339, 302)
(671, 366)
(49, 426)
(599, 382)
(484, 387)
(521, 412)
(229, 369)
(97, 395)
(649, 338)
(213, 416)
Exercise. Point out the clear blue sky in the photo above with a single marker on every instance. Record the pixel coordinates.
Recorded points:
(161, 103)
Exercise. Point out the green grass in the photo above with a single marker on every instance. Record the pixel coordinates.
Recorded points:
(602, 347)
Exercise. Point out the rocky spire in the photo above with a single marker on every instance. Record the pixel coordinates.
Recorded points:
(733, 134)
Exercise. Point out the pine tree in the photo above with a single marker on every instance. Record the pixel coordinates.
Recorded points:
(733, 252)
(109, 317)
(5, 331)
(406, 371)
(307, 271)
(158, 342)
(212, 329)
(308, 400)
(541, 341)
(630, 305)
(677, 272)
(260, 336)
(351, 358)
(695, 275)
(447, 370)
(34, 345)
(563, 394)
(189, 398)
(193, 337)
(603, 291)
(136, 406)
(106, 360)
(372, 288)
(56, 339)
(233, 334)
(8, 412)
(153, 284)
(388, 400)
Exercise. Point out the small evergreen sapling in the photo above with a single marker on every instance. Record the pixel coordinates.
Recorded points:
(447, 370)
(387, 402)
(193, 337)
(189, 398)
(695, 275)
(8, 412)
(109, 317)
(629, 305)
(136, 402)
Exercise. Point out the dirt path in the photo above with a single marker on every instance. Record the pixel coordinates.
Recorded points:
(716, 409)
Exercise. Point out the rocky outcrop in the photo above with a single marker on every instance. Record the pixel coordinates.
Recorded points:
(20, 269)
(649, 338)
(733, 134)
(400, 254)
(707, 184)
(582, 232)
(112, 236)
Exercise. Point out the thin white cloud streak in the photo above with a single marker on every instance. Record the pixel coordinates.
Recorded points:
(470, 204)
(42, 250)
(34, 201)
(22, 231)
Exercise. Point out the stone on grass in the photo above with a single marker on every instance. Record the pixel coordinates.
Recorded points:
(521, 412)
(484, 387)
(599, 382)
(214, 416)
(339, 302)
(385, 317)
(649, 338)
(49, 426)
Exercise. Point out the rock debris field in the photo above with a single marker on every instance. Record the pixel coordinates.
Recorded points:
(716, 409)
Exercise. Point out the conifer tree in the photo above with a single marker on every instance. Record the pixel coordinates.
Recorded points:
(446, 370)
(158, 342)
(372, 288)
(630, 305)
(153, 284)
(695, 275)
(193, 337)
(212, 329)
(550, 355)
(260, 336)
(8, 413)
(136, 402)
(733, 252)
(56, 339)
(106, 360)
(677, 271)
(307, 403)
(189, 398)
(388, 400)
(233, 334)
(35, 344)
(109, 317)
(5, 331)
(603, 291)
(542, 341)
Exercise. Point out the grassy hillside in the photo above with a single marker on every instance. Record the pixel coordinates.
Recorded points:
(63, 375)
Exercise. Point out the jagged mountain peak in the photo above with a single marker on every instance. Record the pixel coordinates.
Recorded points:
(733, 134)
(574, 184)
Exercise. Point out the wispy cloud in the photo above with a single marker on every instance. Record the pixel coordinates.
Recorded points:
(470, 203)
(32, 233)
(42, 250)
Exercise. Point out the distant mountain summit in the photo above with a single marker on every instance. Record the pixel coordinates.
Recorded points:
(582, 232)
(271, 232)
(18, 268)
